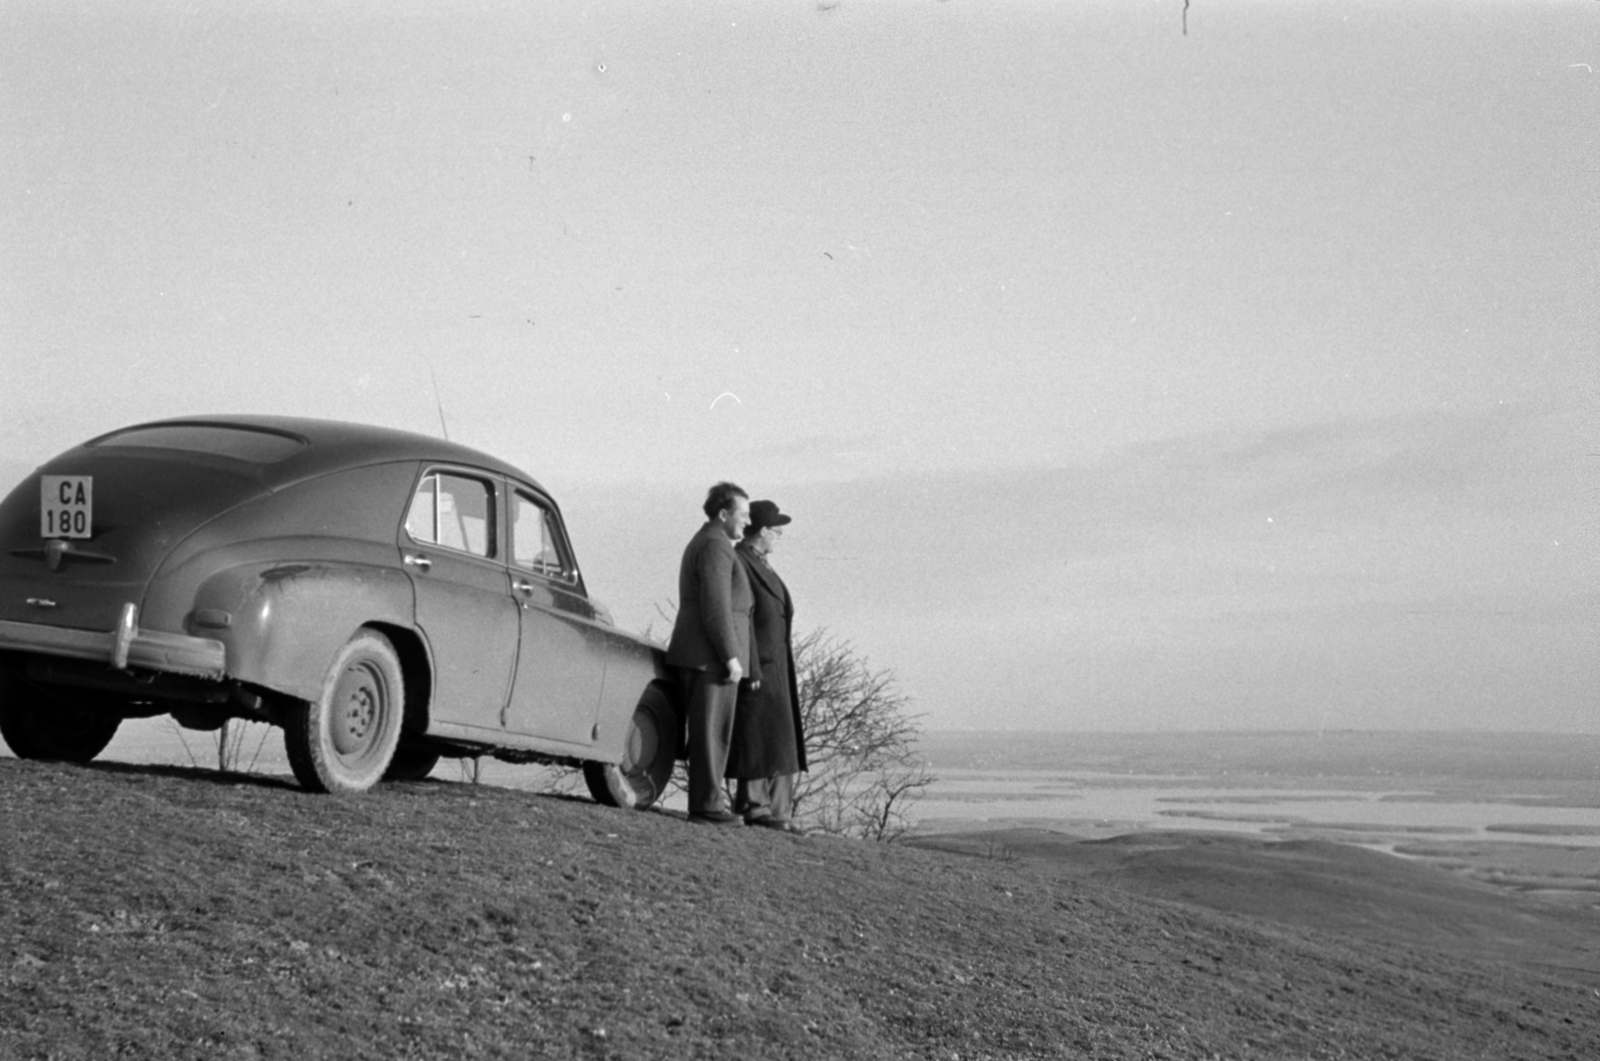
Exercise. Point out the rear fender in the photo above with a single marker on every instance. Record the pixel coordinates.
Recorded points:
(283, 622)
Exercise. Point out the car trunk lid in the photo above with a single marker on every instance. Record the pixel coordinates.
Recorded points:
(138, 503)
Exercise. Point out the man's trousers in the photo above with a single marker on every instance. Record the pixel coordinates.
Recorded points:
(711, 706)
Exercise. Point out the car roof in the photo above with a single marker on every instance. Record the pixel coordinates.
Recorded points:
(334, 445)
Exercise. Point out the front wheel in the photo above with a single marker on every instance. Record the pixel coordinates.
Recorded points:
(344, 740)
(651, 750)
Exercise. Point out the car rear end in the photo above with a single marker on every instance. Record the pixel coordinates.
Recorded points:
(80, 540)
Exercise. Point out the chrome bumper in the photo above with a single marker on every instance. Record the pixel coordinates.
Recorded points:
(124, 647)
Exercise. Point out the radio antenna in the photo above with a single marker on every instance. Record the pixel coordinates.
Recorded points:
(437, 401)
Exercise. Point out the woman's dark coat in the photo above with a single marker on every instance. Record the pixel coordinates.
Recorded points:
(768, 740)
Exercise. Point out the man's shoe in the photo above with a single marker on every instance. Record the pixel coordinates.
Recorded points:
(783, 825)
(716, 817)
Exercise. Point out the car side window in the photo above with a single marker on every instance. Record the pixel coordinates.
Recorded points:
(454, 511)
(535, 545)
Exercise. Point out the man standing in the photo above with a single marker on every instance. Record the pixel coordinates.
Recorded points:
(712, 639)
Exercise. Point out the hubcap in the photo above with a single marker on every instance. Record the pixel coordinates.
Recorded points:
(358, 707)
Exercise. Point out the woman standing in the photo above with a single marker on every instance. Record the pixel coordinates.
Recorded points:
(768, 749)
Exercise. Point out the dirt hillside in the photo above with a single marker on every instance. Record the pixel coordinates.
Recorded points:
(152, 912)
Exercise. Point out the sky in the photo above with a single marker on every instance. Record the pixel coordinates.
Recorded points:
(1122, 368)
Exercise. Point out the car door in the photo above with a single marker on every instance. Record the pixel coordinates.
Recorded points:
(562, 657)
(450, 548)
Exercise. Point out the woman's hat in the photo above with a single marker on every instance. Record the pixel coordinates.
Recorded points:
(766, 514)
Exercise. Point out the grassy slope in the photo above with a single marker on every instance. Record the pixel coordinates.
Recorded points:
(159, 913)
(1320, 884)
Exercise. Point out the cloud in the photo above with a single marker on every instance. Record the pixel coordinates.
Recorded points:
(1351, 477)
(1258, 578)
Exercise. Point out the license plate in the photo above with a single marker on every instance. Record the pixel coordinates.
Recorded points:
(66, 506)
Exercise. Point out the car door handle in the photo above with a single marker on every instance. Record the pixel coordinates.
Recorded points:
(418, 561)
(522, 586)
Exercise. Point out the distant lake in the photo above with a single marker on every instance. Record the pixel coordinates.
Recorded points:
(1379, 789)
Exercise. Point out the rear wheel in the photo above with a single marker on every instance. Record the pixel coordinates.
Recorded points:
(37, 726)
(651, 751)
(345, 739)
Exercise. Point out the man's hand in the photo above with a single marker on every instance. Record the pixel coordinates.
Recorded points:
(735, 670)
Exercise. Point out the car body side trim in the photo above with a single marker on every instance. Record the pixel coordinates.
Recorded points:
(149, 649)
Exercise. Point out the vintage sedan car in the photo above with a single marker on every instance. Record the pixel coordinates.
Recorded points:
(384, 597)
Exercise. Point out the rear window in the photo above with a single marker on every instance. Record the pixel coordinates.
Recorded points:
(240, 443)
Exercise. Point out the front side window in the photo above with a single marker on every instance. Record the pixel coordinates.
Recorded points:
(454, 511)
(535, 545)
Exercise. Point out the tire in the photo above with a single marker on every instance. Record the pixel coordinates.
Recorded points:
(346, 739)
(411, 764)
(37, 726)
(654, 736)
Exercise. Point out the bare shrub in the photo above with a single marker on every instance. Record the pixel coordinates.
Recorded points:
(864, 771)
(231, 739)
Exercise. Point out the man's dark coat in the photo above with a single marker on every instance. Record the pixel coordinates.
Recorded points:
(714, 622)
(768, 737)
